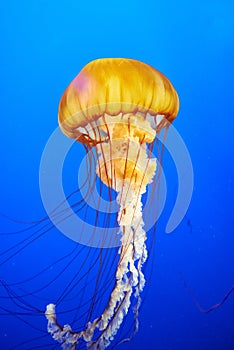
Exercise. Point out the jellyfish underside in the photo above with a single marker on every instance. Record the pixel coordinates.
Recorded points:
(124, 164)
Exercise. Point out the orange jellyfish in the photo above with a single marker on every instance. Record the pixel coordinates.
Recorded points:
(116, 106)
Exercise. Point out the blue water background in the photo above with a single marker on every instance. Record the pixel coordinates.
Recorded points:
(44, 44)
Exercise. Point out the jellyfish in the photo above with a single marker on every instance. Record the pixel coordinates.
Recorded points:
(116, 107)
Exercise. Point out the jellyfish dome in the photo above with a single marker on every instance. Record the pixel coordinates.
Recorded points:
(117, 106)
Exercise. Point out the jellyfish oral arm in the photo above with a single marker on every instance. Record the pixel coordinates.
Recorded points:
(63, 334)
(129, 278)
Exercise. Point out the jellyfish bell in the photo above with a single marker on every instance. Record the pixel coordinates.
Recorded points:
(117, 106)
(113, 87)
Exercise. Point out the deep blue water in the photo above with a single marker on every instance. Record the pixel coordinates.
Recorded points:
(44, 44)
